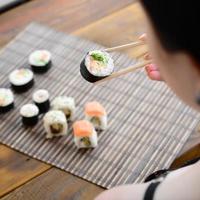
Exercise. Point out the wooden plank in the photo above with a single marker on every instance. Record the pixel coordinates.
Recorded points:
(65, 15)
(55, 184)
(16, 169)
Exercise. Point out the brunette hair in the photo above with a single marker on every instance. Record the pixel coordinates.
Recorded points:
(176, 22)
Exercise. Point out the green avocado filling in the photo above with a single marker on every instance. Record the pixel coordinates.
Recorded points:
(99, 56)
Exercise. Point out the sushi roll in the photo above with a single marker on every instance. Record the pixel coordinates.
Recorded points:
(96, 114)
(55, 124)
(40, 61)
(65, 104)
(6, 100)
(41, 99)
(29, 114)
(21, 79)
(96, 66)
(85, 135)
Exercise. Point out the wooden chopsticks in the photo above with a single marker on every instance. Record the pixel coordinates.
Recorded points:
(124, 71)
(132, 44)
(127, 70)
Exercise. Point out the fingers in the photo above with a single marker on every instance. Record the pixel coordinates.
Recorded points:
(143, 37)
(153, 72)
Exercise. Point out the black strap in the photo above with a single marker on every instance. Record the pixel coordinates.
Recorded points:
(149, 194)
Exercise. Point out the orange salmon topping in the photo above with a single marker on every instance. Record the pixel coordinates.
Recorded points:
(94, 108)
(82, 128)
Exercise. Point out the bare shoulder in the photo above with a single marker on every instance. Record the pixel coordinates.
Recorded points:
(182, 184)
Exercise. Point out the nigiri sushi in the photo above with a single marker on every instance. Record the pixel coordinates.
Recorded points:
(96, 66)
(85, 135)
(96, 114)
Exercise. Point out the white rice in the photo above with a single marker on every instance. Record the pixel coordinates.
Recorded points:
(6, 97)
(40, 96)
(36, 59)
(92, 138)
(64, 104)
(29, 110)
(55, 117)
(21, 76)
(102, 69)
(103, 121)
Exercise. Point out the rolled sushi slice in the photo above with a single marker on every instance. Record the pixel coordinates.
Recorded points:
(41, 99)
(96, 66)
(40, 61)
(55, 124)
(21, 79)
(29, 114)
(6, 100)
(96, 114)
(85, 135)
(64, 104)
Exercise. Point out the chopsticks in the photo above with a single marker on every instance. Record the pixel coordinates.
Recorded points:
(132, 44)
(124, 71)
(130, 69)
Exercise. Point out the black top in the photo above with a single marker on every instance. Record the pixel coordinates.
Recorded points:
(158, 177)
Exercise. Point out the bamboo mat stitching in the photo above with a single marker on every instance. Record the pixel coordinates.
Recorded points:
(148, 126)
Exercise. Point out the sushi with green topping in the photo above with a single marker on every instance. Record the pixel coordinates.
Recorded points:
(6, 100)
(96, 66)
(40, 61)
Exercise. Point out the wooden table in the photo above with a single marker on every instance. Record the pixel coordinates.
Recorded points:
(110, 23)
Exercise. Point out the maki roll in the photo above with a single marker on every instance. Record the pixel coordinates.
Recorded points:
(96, 114)
(29, 114)
(41, 99)
(55, 123)
(85, 135)
(21, 79)
(96, 66)
(40, 61)
(6, 100)
(64, 104)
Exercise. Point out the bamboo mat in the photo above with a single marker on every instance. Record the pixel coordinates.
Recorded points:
(148, 126)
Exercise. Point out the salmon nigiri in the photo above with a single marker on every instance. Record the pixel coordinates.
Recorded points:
(85, 135)
(96, 114)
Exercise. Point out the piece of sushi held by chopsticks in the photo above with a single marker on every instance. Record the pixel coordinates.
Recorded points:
(85, 135)
(29, 114)
(6, 100)
(55, 124)
(41, 100)
(64, 104)
(21, 79)
(96, 66)
(40, 61)
(96, 114)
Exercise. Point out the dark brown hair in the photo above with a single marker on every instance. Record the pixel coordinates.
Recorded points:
(176, 23)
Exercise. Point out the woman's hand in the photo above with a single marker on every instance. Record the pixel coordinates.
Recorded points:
(151, 69)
